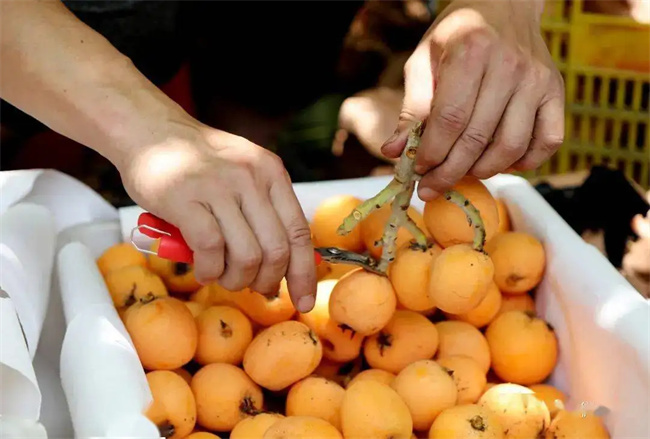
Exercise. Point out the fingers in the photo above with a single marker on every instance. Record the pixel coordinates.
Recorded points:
(243, 253)
(203, 235)
(548, 135)
(459, 80)
(418, 92)
(493, 96)
(272, 239)
(301, 272)
(511, 139)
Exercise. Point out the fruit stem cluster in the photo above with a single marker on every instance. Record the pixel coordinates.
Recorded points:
(400, 191)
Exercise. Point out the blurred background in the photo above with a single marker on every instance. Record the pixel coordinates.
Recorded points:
(338, 95)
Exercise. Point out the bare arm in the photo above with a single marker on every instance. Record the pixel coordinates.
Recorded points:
(231, 199)
(73, 80)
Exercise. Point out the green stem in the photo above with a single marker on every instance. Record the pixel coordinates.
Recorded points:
(369, 206)
(398, 218)
(400, 191)
(473, 217)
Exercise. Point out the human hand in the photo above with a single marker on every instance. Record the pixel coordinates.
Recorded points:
(234, 205)
(498, 101)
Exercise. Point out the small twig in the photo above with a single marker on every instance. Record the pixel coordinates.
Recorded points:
(400, 191)
(473, 217)
(369, 206)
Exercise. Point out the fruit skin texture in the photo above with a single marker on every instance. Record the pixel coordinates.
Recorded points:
(363, 301)
(178, 276)
(163, 332)
(254, 427)
(427, 389)
(519, 261)
(549, 395)
(408, 337)
(409, 273)
(485, 311)
(447, 222)
(576, 425)
(468, 376)
(302, 427)
(118, 256)
(328, 216)
(266, 310)
(224, 334)
(460, 278)
(466, 421)
(520, 413)
(127, 285)
(378, 375)
(339, 343)
(215, 294)
(340, 373)
(372, 229)
(460, 338)
(173, 408)
(282, 354)
(316, 397)
(374, 410)
(224, 396)
(523, 348)
(521, 302)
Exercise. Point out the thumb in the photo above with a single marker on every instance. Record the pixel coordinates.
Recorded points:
(418, 93)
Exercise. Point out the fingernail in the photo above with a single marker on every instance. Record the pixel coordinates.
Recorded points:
(427, 194)
(306, 303)
(390, 140)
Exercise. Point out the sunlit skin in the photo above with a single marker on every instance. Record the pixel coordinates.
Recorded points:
(232, 199)
(493, 78)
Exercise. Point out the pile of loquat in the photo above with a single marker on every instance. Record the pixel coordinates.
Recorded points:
(447, 345)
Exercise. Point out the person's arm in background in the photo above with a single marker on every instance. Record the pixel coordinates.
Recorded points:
(485, 84)
(231, 199)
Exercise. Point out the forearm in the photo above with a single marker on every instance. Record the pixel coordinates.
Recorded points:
(70, 78)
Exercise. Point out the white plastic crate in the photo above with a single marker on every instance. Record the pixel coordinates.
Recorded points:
(602, 323)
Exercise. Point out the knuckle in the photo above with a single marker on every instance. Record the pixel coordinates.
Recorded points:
(478, 42)
(245, 169)
(509, 148)
(209, 242)
(475, 139)
(277, 255)
(452, 118)
(431, 157)
(299, 233)
(540, 75)
(552, 142)
(407, 115)
(514, 63)
(274, 163)
(250, 261)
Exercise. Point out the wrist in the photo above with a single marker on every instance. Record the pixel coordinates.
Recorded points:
(133, 114)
